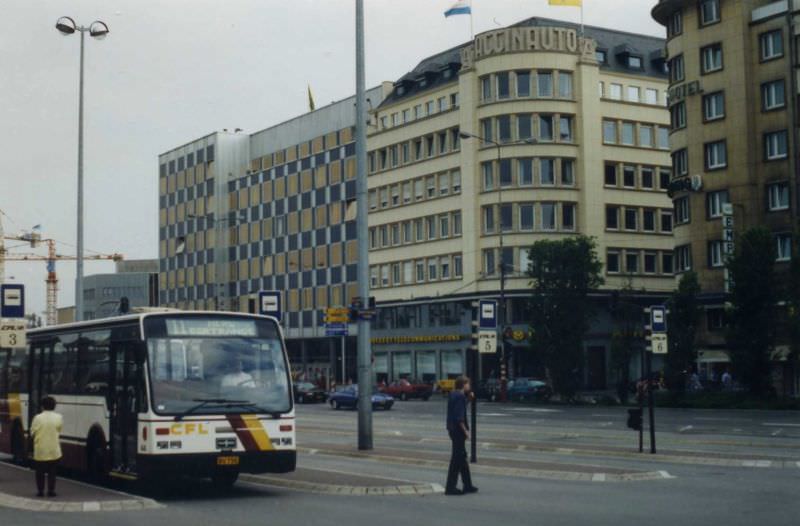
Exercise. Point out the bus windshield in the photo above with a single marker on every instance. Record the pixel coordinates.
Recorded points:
(228, 365)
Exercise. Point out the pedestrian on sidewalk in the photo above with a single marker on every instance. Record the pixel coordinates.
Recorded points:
(46, 434)
(458, 429)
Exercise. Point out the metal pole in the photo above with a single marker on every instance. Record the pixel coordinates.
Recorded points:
(474, 412)
(364, 350)
(344, 357)
(651, 404)
(503, 364)
(79, 259)
(640, 398)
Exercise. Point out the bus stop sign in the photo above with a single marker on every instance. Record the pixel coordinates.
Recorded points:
(269, 304)
(12, 301)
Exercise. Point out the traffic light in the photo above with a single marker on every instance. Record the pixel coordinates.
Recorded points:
(635, 419)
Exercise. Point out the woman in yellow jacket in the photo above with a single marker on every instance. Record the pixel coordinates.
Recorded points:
(46, 433)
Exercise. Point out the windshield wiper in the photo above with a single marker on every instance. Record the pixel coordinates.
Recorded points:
(207, 401)
(256, 407)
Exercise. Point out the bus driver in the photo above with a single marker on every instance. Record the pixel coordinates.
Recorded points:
(237, 377)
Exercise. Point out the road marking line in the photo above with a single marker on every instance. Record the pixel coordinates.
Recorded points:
(798, 464)
(495, 414)
(565, 450)
(523, 448)
(605, 424)
(313, 451)
(666, 475)
(685, 428)
(603, 415)
(756, 463)
(712, 419)
(774, 424)
(599, 477)
(778, 432)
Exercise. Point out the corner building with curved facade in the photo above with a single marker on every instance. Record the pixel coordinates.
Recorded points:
(733, 92)
(582, 128)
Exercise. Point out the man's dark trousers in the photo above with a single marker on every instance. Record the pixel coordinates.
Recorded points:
(458, 461)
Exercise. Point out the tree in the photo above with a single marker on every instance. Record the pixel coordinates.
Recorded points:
(684, 315)
(627, 334)
(752, 316)
(563, 274)
(791, 295)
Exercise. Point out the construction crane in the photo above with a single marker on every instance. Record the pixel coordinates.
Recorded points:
(34, 238)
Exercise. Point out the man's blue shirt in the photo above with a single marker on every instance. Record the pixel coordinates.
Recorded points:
(456, 410)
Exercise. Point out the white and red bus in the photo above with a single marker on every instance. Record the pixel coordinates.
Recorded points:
(192, 393)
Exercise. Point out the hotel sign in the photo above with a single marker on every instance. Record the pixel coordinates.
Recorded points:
(528, 39)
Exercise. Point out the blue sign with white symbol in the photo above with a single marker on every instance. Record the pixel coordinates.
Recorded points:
(487, 314)
(336, 329)
(269, 304)
(12, 301)
(658, 318)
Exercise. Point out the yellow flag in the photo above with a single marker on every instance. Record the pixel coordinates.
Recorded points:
(574, 3)
(311, 105)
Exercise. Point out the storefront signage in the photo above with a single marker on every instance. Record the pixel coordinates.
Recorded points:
(678, 93)
(436, 338)
(527, 39)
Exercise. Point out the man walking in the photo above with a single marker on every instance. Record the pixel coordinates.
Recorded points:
(458, 429)
(46, 431)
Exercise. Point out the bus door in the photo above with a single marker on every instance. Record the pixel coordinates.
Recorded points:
(39, 368)
(125, 396)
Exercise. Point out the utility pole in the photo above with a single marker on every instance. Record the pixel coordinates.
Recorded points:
(364, 349)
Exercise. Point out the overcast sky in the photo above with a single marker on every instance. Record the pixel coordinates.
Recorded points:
(174, 70)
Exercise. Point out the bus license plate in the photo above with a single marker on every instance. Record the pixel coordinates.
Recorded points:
(227, 461)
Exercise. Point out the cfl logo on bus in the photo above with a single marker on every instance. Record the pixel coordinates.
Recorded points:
(188, 428)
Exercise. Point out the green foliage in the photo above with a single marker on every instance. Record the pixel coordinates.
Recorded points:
(684, 315)
(752, 316)
(792, 297)
(563, 273)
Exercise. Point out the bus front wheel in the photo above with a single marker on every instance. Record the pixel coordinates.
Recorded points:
(96, 460)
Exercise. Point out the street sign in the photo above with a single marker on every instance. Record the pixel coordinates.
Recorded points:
(269, 303)
(336, 329)
(12, 334)
(658, 318)
(658, 343)
(338, 315)
(12, 301)
(487, 342)
(728, 234)
(487, 314)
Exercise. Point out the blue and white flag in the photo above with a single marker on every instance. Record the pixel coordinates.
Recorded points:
(462, 7)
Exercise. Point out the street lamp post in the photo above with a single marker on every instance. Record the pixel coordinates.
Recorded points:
(99, 30)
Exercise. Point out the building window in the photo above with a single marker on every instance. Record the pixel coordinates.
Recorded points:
(420, 265)
(544, 83)
(545, 127)
(628, 138)
(629, 176)
(503, 85)
(677, 71)
(631, 262)
(433, 267)
(680, 163)
(775, 145)
(506, 178)
(611, 175)
(683, 257)
(675, 24)
(662, 138)
(609, 132)
(444, 184)
(612, 262)
(504, 128)
(615, 91)
(664, 177)
(444, 226)
(456, 224)
(600, 55)
(523, 84)
(715, 319)
(648, 177)
(715, 202)
(784, 247)
(771, 45)
(778, 196)
(645, 136)
(716, 155)
(565, 85)
(682, 211)
(677, 115)
(711, 58)
(488, 219)
(526, 223)
(568, 216)
(489, 266)
(666, 221)
(431, 184)
(649, 220)
(431, 224)
(457, 182)
(667, 266)
(565, 129)
(567, 172)
(525, 171)
(486, 88)
(444, 267)
(506, 217)
(631, 219)
(612, 217)
(547, 176)
(488, 175)
(486, 130)
(716, 254)
(651, 96)
(709, 12)
(650, 263)
(714, 106)
(524, 126)
(634, 93)
(773, 95)
(458, 267)
(548, 216)
(634, 62)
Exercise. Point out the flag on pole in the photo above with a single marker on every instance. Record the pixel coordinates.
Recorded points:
(462, 7)
(311, 105)
(573, 3)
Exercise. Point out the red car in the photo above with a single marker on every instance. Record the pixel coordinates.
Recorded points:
(405, 390)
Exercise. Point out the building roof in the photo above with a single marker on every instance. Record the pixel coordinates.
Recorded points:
(617, 44)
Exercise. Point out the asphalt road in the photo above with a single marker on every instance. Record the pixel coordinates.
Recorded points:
(536, 465)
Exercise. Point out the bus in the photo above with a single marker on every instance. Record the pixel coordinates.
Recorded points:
(146, 396)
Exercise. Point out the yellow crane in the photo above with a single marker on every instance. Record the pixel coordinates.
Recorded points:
(34, 238)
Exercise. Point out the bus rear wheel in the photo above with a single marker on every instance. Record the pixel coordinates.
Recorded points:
(95, 460)
(224, 480)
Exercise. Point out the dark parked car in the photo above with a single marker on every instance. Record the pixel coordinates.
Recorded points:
(489, 389)
(522, 389)
(306, 392)
(347, 396)
(405, 390)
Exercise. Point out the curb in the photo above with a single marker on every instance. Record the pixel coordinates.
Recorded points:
(26, 504)
(335, 489)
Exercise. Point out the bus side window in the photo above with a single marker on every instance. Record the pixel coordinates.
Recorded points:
(62, 371)
(92, 364)
(18, 371)
(4, 357)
